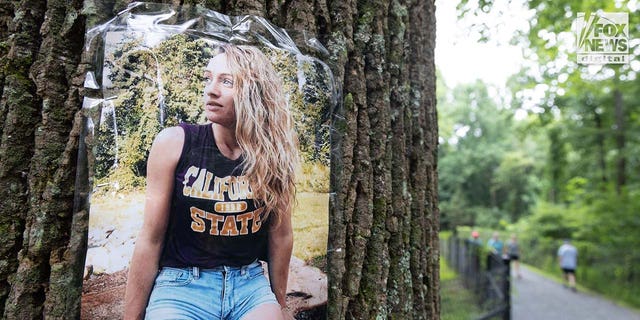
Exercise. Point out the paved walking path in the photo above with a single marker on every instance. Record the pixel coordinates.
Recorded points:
(535, 297)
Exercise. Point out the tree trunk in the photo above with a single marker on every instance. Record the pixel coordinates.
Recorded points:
(556, 164)
(621, 161)
(42, 250)
(383, 245)
(383, 242)
(602, 163)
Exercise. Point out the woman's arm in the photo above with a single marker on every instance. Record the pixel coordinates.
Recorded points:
(161, 165)
(280, 247)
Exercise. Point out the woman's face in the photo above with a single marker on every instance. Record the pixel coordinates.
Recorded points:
(218, 92)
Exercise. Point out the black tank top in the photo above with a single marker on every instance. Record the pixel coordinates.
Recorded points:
(213, 219)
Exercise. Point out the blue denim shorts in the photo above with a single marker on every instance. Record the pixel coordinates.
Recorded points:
(222, 293)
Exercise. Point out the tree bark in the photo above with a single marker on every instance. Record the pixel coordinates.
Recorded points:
(40, 98)
(383, 243)
(621, 161)
(602, 163)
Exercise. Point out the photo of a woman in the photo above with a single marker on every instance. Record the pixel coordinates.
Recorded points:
(218, 202)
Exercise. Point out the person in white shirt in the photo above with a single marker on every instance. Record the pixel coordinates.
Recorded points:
(568, 260)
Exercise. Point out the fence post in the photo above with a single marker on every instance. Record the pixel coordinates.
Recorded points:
(475, 267)
(452, 252)
(457, 259)
(467, 256)
(506, 288)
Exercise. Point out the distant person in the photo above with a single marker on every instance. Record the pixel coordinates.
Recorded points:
(568, 260)
(495, 244)
(513, 251)
(495, 248)
(475, 238)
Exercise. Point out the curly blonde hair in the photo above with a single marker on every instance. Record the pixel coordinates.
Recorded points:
(264, 129)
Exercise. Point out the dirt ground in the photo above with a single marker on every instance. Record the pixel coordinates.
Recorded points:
(103, 294)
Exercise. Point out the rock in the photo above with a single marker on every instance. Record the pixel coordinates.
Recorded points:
(109, 259)
(88, 271)
(307, 286)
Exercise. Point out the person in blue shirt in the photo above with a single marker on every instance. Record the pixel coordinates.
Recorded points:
(495, 244)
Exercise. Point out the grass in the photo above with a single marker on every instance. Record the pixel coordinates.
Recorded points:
(456, 302)
(311, 225)
(116, 210)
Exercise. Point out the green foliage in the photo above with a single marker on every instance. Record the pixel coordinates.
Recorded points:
(310, 222)
(491, 218)
(309, 86)
(588, 128)
(580, 172)
(551, 221)
(487, 173)
(154, 87)
(557, 164)
(512, 182)
(313, 178)
(142, 103)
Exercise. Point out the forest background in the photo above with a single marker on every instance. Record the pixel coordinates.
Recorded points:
(553, 152)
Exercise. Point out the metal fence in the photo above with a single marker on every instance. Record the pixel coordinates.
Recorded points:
(484, 274)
